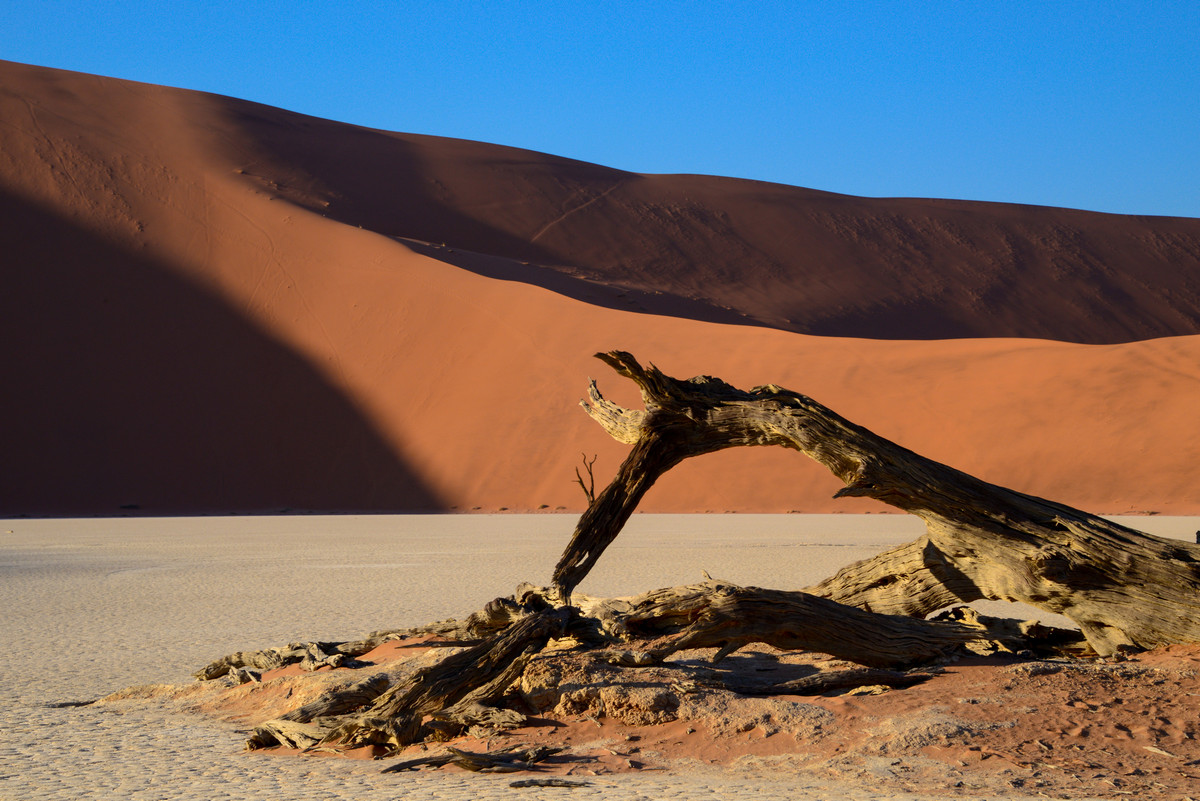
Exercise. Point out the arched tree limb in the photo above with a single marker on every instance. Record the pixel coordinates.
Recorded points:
(1124, 588)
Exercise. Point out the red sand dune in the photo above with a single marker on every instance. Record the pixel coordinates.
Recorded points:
(215, 306)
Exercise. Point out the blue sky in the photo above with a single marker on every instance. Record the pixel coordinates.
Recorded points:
(1092, 105)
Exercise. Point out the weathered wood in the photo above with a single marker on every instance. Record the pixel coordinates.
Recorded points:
(551, 782)
(306, 726)
(589, 489)
(436, 702)
(442, 685)
(721, 615)
(453, 690)
(465, 692)
(1124, 588)
(309, 655)
(826, 681)
(503, 760)
(495, 616)
(508, 760)
(289, 733)
(341, 701)
(728, 617)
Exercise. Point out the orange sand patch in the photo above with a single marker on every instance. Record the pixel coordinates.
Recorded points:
(979, 726)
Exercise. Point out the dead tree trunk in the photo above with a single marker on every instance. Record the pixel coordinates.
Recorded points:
(727, 617)
(1124, 588)
(467, 689)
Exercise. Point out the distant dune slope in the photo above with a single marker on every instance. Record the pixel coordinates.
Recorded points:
(745, 251)
(214, 306)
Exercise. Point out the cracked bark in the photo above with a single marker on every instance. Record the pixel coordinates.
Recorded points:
(1124, 588)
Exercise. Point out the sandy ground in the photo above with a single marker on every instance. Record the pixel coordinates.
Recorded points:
(96, 605)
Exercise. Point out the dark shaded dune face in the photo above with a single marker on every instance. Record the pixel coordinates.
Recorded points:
(128, 389)
(729, 250)
(425, 188)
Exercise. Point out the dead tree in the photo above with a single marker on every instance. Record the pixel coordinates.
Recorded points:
(1124, 588)
(466, 690)
(589, 489)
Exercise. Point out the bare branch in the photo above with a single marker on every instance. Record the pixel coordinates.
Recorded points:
(589, 489)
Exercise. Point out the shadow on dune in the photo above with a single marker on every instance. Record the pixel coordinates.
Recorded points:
(734, 251)
(373, 179)
(128, 389)
(594, 292)
(448, 199)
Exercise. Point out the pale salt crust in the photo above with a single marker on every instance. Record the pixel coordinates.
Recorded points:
(93, 606)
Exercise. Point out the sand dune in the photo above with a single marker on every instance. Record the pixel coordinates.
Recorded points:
(746, 251)
(212, 305)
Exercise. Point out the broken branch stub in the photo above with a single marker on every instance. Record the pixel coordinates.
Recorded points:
(1124, 588)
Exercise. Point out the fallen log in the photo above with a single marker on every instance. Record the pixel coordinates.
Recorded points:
(1124, 588)
(826, 681)
(307, 725)
(727, 617)
(465, 691)
(550, 782)
(436, 703)
(309, 655)
(503, 760)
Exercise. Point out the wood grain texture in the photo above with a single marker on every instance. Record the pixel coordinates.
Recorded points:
(1124, 588)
